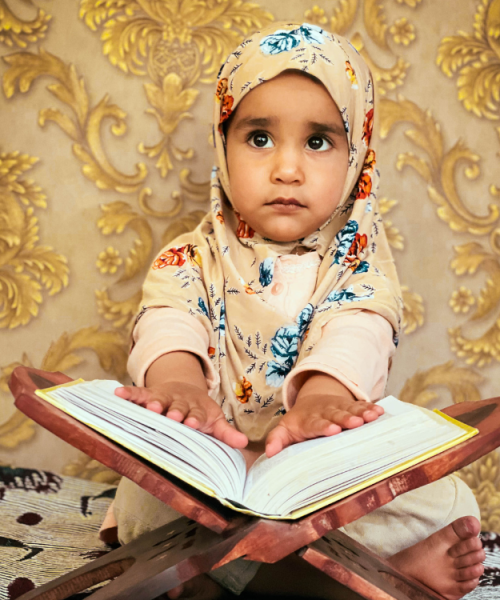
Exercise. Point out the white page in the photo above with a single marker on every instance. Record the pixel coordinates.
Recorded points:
(275, 483)
(201, 448)
(324, 490)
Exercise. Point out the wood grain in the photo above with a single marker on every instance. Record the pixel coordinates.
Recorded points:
(180, 496)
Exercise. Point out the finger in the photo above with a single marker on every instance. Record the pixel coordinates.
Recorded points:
(196, 417)
(155, 406)
(138, 395)
(178, 410)
(278, 439)
(363, 409)
(317, 426)
(345, 419)
(226, 433)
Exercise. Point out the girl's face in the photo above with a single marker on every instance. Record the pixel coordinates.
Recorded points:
(287, 156)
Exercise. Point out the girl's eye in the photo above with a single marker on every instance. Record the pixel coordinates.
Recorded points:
(318, 143)
(260, 140)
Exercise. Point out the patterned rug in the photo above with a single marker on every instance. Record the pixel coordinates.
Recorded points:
(42, 515)
(48, 526)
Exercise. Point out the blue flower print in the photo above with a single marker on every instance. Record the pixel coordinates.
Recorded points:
(284, 41)
(280, 41)
(304, 318)
(312, 34)
(284, 344)
(344, 240)
(266, 270)
(276, 372)
(362, 267)
(346, 295)
(222, 319)
(203, 307)
(285, 347)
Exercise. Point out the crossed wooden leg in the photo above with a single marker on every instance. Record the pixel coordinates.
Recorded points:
(163, 559)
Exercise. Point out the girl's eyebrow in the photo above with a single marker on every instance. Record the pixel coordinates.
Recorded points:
(255, 122)
(314, 126)
(332, 128)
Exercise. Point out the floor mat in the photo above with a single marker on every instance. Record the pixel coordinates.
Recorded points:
(49, 526)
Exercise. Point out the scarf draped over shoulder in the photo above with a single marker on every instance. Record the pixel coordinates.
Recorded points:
(218, 272)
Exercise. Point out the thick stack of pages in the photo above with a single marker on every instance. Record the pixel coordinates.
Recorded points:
(295, 482)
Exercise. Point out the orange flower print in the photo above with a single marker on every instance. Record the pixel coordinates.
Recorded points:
(222, 88)
(211, 351)
(220, 217)
(358, 245)
(173, 257)
(226, 110)
(367, 128)
(243, 390)
(364, 186)
(244, 230)
(177, 256)
(351, 75)
(248, 289)
(370, 161)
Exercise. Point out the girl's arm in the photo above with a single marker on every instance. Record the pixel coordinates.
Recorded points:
(176, 387)
(323, 407)
(330, 390)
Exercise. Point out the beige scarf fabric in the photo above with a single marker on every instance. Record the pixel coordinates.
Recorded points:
(218, 272)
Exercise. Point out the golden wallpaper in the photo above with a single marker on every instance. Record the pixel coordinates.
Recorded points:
(105, 156)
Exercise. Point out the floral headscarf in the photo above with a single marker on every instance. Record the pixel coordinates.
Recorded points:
(218, 272)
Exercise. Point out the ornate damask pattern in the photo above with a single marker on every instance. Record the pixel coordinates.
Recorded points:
(25, 266)
(17, 32)
(176, 43)
(175, 48)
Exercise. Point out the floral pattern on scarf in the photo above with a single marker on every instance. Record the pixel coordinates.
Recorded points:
(218, 272)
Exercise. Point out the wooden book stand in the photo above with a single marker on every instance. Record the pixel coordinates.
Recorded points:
(210, 535)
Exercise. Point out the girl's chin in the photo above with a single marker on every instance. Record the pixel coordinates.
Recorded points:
(284, 238)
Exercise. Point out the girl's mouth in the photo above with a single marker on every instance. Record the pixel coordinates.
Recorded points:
(286, 202)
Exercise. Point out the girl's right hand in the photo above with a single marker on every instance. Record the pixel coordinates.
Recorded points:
(188, 404)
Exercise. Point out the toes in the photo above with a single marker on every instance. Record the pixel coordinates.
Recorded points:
(470, 573)
(467, 560)
(465, 547)
(176, 592)
(466, 527)
(465, 587)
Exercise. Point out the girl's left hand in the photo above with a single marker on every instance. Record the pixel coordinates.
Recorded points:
(321, 410)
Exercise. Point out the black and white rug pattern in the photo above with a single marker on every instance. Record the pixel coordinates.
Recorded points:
(49, 526)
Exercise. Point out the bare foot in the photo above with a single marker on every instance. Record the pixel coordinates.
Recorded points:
(198, 588)
(449, 561)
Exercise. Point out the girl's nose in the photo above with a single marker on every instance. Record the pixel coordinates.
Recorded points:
(287, 168)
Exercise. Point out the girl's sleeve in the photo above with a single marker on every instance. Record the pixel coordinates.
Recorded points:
(355, 349)
(163, 330)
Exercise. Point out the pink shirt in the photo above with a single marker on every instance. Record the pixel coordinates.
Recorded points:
(355, 348)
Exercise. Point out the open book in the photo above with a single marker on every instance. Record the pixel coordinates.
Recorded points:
(297, 481)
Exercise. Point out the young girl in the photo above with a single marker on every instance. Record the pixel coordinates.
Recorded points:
(273, 322)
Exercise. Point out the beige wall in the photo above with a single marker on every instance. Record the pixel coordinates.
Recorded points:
(90, 86)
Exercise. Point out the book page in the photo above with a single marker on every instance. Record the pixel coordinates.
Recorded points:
(307, 473)
(186, 453)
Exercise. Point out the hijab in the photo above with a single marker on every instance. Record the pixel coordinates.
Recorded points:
(218, 272)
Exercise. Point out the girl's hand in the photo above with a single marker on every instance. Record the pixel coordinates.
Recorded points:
(188, 404)
(324, 407)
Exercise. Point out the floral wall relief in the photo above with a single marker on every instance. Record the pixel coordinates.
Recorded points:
(174, 49)
(179, 44)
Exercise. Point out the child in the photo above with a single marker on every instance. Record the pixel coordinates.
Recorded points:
(273, 322)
